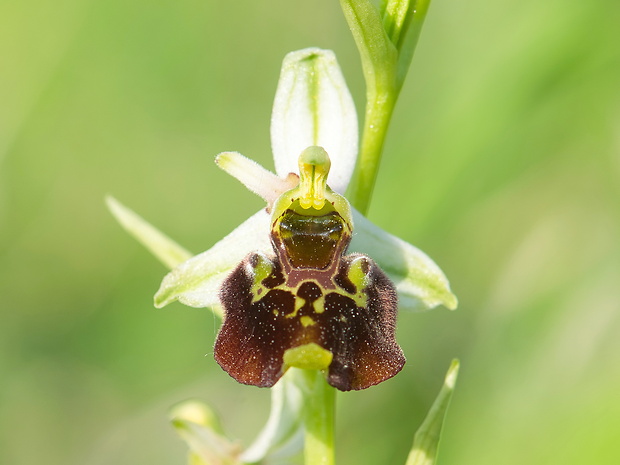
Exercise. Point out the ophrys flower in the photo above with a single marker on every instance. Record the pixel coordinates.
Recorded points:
(291, 294)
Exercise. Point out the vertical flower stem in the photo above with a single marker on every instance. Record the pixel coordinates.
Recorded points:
(386, 37)
(379, 59)
(378, 114)
(320, 404)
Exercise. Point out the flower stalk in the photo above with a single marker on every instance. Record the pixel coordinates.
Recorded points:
(386, 38)
(319, 420)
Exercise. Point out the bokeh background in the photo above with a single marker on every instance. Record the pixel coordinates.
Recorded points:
(503, 163)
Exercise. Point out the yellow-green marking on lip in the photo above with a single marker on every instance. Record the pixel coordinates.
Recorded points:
(309, 357)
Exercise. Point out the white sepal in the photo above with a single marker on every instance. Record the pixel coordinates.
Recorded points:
(313, 106)
(420, 283)
(197, 281)
(165, 249)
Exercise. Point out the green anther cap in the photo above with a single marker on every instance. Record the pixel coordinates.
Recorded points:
(314, 165)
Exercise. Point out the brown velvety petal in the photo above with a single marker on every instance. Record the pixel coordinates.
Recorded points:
(255, 335)
(252, 340)
(362, 339)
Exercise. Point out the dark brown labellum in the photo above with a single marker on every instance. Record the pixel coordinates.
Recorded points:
(309, 291)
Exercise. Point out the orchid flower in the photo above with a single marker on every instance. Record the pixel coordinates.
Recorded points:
(307, 281)
(314, 116)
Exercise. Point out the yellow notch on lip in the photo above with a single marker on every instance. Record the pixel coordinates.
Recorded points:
(314, 165)
(308, 357)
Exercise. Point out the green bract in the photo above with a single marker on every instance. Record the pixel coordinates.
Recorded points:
(197, 424)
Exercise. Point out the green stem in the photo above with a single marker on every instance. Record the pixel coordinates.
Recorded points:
(320, 404)
(379, 62)
(386, 38)
(378, 114)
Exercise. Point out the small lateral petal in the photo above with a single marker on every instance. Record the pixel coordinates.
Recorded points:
(313, 106)
(420, 283)
(253, 176)
(197, 281)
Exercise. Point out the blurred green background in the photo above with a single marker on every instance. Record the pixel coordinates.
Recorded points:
(503, 163)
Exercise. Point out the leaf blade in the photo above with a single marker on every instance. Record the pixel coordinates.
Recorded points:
(426, 440)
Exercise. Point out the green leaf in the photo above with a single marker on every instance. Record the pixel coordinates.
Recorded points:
(426, 440)
(420, 283)
(165, 249)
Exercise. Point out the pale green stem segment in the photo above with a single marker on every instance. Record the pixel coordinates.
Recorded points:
(165, 249)
(426, 440)
(320, 402)
(386, 39)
